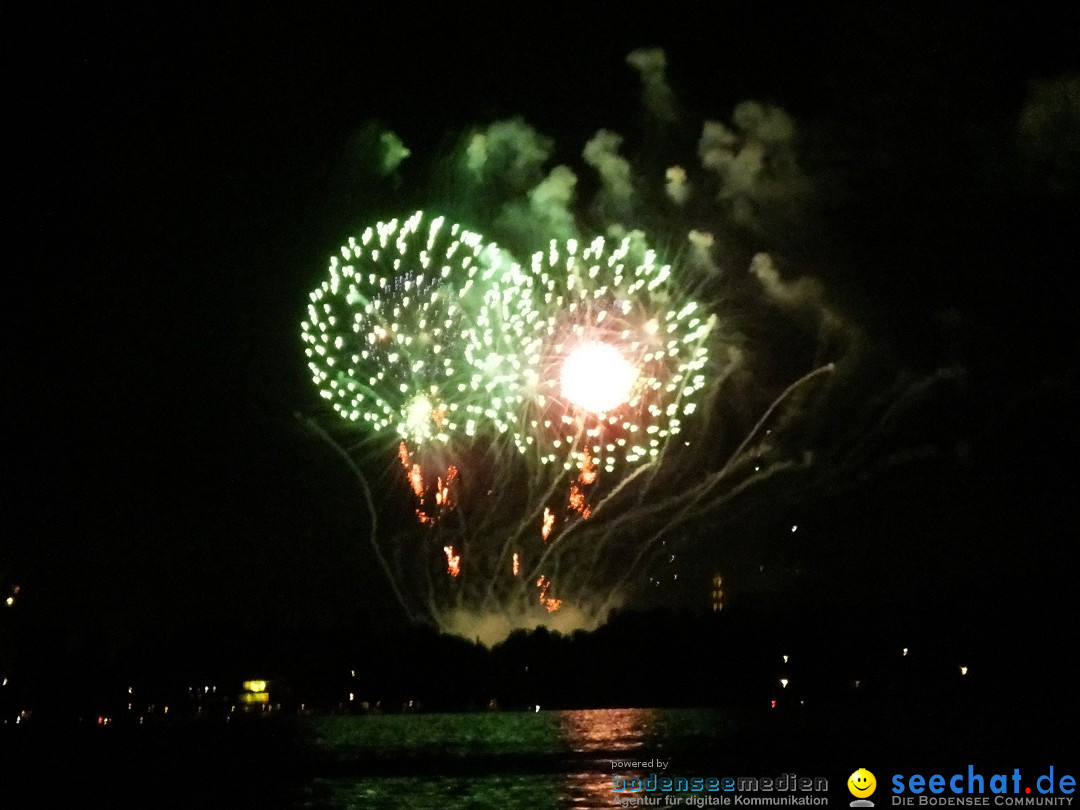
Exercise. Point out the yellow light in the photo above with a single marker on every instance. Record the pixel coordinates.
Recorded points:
(255, 697)
(596, 377)
(254, 686)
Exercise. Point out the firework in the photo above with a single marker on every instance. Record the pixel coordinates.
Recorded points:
(533, 400)
(590, 349)
(384, 331)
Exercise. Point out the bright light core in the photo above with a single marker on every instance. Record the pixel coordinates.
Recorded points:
(418, 415)
(596, 377)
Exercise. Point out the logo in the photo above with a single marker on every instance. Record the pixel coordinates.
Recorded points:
(862, 785)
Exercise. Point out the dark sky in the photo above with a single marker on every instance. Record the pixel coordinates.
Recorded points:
(176, 179)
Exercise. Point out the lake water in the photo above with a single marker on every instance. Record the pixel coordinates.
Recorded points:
(546, 759)
(511, 760)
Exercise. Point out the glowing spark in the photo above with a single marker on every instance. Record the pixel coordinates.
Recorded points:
(418, 414)
(453, 561)
(549, 522)
(550, 604)
(596, 377)
(577, 501)
(516, 565)
(416, 480)
(588, 468)
(445, 493)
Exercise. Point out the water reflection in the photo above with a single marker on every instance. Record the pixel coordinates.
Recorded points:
(504, 759)
(606, 729)
(620, 733)
(508, 791)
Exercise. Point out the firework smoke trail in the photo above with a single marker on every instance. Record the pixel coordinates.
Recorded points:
(553, 409)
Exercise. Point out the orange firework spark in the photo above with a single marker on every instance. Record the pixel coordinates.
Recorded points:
(444, 490)
(549, 522)
(439, 416)
(453, 561)
(588, 468)
(416, 478)
(445, 495)
(577, 501)
(551, 604)
(517, 564)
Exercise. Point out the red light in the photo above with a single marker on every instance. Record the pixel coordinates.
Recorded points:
(773, 702)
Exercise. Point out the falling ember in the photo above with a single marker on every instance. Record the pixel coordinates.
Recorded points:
(549, 522)
(588, 468)
(403, 455)
(416, 479)
(439, 416)
(551, 604)
(517, 564)
(577, 501)
(453, 561)
(444, 493)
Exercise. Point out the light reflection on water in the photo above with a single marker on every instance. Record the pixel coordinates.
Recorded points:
(618, 731)
(606, 729)
(505, 760)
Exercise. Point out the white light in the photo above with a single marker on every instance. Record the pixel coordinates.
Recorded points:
(419, 414)
(785, 659)
(784, 682)
(793, 528)
(596, 377)
(963, 670)
(905, 650)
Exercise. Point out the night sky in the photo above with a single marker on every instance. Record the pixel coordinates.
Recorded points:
(176, 180)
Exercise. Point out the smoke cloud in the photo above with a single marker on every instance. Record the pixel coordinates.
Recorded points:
(602, 153)
(510, 150)
(651, 64)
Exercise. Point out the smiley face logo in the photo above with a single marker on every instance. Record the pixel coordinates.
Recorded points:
(861, 783)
